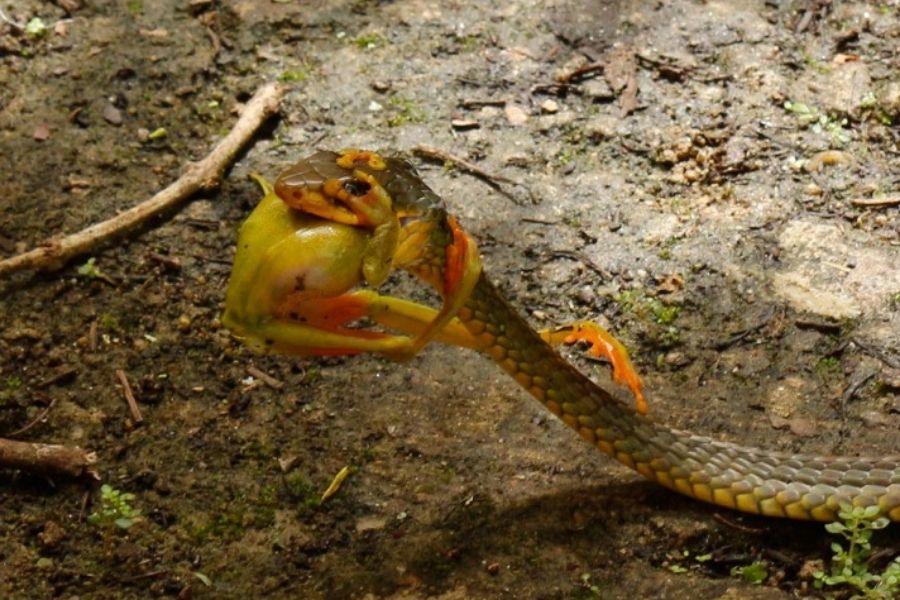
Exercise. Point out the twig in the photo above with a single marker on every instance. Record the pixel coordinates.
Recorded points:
(203, 175)
(886, 357)
(538, 221)
(129, 397)
(47, 459)
(475, 103)
(492, 179)
(743, 333)
(34, 421)
(61, 374)
(881, 202)
(855, 386)
(5, 18)
(265, 378)
(583, 258)
(581, 73)
(735, 525)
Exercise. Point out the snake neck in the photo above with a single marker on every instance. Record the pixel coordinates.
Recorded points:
(743, 478)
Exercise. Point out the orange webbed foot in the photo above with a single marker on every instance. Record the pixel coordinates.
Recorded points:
(603, 344)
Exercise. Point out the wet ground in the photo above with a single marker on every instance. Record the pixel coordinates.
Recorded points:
(714, 180)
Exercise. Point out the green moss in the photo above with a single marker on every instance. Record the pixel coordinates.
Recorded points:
(302, 491)
(108, 322)
(294, 76)
(895, 301)
(403, 111)
(369, 40)
(645, 307)
(260, 450)
(657, 317)
(828, 368)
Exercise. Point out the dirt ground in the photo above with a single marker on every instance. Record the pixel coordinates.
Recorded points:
(721, 190)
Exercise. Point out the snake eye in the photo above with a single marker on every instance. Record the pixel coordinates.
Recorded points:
(355, 187)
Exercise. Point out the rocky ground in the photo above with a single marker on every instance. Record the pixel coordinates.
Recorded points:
(717, 181)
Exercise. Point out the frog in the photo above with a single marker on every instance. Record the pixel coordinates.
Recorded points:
(313, 253)
(329, 227)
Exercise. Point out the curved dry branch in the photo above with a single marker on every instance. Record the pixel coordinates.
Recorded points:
(203, 175)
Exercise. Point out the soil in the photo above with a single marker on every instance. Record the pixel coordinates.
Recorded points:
(703, 191)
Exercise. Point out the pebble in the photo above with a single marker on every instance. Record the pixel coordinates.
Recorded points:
(51, 535)
(873, 418)
(112, 115)
(41, 132)
(463, 124)
(515, 114)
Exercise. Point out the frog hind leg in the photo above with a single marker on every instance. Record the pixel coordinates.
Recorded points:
(320, 326)
(602, 344)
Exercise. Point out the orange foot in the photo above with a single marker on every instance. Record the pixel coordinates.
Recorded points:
(602, 344)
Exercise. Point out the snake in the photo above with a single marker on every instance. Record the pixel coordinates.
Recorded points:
(744, 478)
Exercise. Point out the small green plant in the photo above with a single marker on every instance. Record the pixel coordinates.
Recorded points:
(588, 590)
(92, 271)
(831, 125)
(871, 107)
(35, 29)
(755, 573)
(115, 510)
(849, 566)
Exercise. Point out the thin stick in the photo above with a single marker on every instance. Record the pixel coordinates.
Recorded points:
(48, 459)
(492, 179)
(203, 175)
(584, 258)
(591, 69)
(129, 397)
(265, 378)
(3, 17)
(881, 202)
(34, 421)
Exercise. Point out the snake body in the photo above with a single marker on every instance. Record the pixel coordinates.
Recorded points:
(747, 479)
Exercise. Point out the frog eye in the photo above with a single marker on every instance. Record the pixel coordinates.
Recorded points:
(355, 187)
